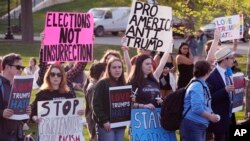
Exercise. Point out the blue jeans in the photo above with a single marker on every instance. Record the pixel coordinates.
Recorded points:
(116, 134)
(192, 131)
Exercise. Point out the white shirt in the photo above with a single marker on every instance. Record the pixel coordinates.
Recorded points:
(222, 73)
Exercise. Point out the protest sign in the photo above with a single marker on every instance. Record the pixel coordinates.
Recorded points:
(120, 105)
(59, 120)
(239, 86)
(231, 27)
(20, 96)
(149, 27)
(145, 125)
(68, 37)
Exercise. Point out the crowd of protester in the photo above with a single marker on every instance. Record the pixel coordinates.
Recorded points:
(159, 74)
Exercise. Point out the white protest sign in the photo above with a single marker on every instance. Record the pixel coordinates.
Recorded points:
(231, 27)
(149, 27)
(59, 120)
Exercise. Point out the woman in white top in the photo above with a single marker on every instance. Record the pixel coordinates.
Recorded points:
(31, 69)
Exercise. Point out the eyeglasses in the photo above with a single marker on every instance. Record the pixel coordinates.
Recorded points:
(53, 74)
(18, 67)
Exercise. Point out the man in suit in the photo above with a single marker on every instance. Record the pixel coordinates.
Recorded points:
(221, 89)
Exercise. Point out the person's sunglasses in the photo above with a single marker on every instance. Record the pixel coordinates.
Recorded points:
(53, 74)
(18, 67)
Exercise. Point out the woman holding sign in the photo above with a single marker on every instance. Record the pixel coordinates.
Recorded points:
(113, 76)
(145, 82)
(54, 87)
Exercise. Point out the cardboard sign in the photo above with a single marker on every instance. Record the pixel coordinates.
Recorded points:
(149, 27)
(68, 37)
(20, 96)
(145, 125)
(120, 105)
(238, 95)
(59, 120)
(231, 27)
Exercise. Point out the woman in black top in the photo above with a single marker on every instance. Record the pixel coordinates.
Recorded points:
(54, 87)
(184, 61)
(113, 76)
(145, 82)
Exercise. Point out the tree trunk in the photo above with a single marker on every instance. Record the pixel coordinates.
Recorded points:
(248, 85)
(189, 19)
(27, 21)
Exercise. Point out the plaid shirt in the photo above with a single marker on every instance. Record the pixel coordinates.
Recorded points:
(71, 74)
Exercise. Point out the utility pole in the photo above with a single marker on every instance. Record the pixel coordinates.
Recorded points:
(8, 35)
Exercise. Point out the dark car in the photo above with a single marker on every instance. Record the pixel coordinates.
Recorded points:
(209, 31)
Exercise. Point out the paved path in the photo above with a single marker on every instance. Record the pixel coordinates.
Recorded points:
(114, 40)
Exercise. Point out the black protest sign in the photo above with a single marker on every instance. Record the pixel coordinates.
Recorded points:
(20, 96)
(120, 105)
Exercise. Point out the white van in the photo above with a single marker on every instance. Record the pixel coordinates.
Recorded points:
(110, 19)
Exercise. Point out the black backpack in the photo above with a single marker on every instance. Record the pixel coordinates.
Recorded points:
(172, 108)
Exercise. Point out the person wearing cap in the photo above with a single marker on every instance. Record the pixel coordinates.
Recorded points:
(221, 89)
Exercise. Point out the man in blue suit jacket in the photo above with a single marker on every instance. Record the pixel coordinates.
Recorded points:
(220, 92)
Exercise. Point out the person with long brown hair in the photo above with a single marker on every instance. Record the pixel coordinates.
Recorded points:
(113, 76)
(54, 87)
(184, 61)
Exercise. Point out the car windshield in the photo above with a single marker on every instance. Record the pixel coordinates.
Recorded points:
(97, 13)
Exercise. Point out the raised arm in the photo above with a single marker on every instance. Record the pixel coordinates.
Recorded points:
(126, 59)
(214, 47)
(42, 65)
(157, 73)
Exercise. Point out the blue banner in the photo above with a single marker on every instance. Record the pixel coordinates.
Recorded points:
(145, 126)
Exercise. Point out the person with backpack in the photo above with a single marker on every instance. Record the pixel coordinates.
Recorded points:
(12, 65)
(197, 106)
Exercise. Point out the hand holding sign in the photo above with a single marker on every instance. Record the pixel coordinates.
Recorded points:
(107, 126)
(149, 106)
(7, 113)
(80, 112)
(28, 110)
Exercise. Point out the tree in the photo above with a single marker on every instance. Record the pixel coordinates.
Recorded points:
(27, 21)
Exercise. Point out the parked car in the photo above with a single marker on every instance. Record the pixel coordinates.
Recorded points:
(209, 30)
(110, 19)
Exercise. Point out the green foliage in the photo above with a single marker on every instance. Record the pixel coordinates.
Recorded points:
(4, 6)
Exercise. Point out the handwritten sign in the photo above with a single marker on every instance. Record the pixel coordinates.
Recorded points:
(149, 27)
(60, 121)
(145, 125)
(239, 85)
(231, 27)
(120, 105)
(20, 96)
(68, 37)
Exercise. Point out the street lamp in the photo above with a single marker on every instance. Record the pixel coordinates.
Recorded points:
(8, 35)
